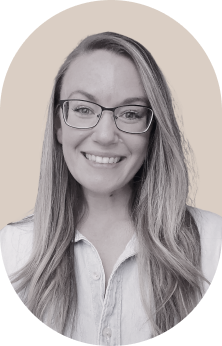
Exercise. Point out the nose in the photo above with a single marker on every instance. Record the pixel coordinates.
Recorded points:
(106, 132)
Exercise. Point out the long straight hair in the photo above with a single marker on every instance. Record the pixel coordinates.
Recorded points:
(169, 242)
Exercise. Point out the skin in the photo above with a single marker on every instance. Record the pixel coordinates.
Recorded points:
(108, 79)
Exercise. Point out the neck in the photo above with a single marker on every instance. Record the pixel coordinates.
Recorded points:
(108, 214)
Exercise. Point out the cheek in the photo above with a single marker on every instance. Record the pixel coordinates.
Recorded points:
(72, 138)
(139, 148)
(71, 144)
(69, 141)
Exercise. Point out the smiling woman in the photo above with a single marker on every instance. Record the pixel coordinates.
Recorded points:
(113, 81)
(113, 254)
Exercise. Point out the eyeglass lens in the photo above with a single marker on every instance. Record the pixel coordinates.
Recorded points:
(82, 114)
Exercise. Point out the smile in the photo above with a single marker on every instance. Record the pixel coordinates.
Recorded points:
(101, 159)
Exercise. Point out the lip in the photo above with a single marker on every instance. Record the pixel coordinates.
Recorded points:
(103, 165)
(103, 154)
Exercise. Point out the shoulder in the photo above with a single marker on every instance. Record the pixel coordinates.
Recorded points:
(14, 235)
(16, 244)
(209, 224)
(210, 229)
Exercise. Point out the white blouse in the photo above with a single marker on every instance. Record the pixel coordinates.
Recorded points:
(115, 316)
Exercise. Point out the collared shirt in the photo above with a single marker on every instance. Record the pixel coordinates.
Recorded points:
(114, 316)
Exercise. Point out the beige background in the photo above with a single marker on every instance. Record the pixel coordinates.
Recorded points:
(29, 82)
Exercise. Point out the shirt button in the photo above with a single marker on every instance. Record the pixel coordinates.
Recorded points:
(107, 332)
(96, 276)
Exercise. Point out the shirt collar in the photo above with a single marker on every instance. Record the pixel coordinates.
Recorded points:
(131, 248)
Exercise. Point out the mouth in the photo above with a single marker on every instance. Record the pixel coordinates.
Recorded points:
(103, 159)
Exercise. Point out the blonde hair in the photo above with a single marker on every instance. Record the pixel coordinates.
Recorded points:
(169, 241)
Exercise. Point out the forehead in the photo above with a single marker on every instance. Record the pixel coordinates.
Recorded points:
(102, 72)
(98, 61)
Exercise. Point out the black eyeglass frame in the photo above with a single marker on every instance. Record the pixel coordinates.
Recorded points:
(61, 103)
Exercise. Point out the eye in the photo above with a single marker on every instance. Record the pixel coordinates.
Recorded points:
(130, 115)
(83, 110)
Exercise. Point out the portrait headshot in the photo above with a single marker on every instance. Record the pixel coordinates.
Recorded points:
(112, 223)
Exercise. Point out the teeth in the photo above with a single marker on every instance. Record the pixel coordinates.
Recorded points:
(100, 159)
(105, 159)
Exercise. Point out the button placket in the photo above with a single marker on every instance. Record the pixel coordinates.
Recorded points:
(95, 271)
(96, 275)
(107, 333)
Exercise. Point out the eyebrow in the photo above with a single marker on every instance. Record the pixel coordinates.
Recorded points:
(129, 100)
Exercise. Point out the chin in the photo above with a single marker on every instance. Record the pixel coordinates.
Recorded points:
(100, 190)
(104, 190)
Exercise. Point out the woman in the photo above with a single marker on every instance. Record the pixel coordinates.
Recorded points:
(113, 255)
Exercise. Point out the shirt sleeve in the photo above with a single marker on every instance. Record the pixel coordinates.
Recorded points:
(210, 228)
(16, 245)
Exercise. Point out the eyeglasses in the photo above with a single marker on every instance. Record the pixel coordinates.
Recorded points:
(81, 114)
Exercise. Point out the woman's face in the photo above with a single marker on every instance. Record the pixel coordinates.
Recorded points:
(109, 80)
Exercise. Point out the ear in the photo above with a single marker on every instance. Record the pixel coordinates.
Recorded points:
(58, 127)
(59, 135)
